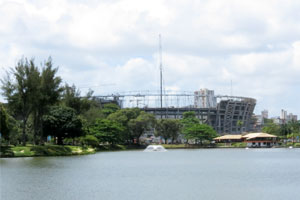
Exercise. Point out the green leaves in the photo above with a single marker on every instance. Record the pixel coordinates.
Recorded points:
(62, 122)
(200, 132)
(31, 91)
(107, 131)
(192, 129)
(143, 122)
(168, 128)
(4, 127)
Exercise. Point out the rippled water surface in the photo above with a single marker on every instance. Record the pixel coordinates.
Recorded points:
(175, 174)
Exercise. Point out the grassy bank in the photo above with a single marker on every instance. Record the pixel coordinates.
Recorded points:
(68, 150)
(59, 150)
(46, 150)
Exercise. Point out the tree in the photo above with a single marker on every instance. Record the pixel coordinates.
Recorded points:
(240, 123)
(271, 128)
(110, 108)
(168, 128)
(293, 129)
(21, 92)
(145, 121)
(49, 93)
(71, 98)
(62, 122)
(200, 132)
(4, 127)
(107, 131)
(189, 120)
(89, 140)
(123, 116)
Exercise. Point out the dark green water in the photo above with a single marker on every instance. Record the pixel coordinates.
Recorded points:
(176, 174)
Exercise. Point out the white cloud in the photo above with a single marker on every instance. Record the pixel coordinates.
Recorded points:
(206, 43)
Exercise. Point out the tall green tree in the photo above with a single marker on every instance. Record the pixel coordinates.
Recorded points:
(168, 129)
(189, 120)
(49, 94)
(4, 127)
(71, 98)
(21, 92)
(145, 121)
(200, 132)
(108, 131)
(62, 122)
(123, 116)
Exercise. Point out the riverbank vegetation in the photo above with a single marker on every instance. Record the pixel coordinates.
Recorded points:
(46, 150)
(42, 116)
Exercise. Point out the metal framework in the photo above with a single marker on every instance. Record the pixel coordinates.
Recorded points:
(224, 117)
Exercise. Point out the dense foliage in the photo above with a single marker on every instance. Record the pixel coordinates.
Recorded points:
(4, 129)
(290, 130)
(39, 106)
(168, 129)
(62, 122)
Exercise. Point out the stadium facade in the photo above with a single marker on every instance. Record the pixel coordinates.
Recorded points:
(226, 114)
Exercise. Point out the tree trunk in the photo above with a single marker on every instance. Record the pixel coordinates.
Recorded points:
(24, 133)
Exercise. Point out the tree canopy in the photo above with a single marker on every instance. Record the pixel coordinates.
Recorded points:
(168, 129)
(4, 127)
(145, 121)
(62, 122)
(107, 131)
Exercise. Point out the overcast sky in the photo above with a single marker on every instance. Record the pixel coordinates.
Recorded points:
(206, 44)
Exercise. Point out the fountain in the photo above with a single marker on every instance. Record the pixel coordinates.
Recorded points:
(152, 148)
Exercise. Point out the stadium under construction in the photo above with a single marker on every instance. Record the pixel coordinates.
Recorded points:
(227, 114)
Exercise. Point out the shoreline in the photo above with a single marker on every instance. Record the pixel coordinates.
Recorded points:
(68, 150)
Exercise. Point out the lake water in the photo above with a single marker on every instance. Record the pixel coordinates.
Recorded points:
(176, 174)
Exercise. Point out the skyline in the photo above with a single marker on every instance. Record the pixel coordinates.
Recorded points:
(205, 44)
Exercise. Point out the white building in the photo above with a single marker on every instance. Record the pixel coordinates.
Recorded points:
(291, 117)
(265, 114)
(283, 114)
(205, 98)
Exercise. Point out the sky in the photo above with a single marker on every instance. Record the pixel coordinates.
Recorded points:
(112, 45)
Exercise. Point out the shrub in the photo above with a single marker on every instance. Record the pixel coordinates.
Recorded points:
(6, 151)
(51, 150)
(90, 140)
(239, 145)
(297, 145)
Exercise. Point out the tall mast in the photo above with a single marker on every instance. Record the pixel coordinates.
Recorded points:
(160, 68)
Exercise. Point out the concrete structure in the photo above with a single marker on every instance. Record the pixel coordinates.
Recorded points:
(283, 115)
(265, 114)
(291, 117)
(276, 120)
(205, 98)
(223, 117)
(285, 118)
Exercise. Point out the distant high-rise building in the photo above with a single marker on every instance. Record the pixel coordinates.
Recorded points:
(283, 115)
(265, 114)
(205, 98)
(291, 117)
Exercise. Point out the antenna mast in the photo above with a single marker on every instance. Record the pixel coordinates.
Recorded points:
(160, 68)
